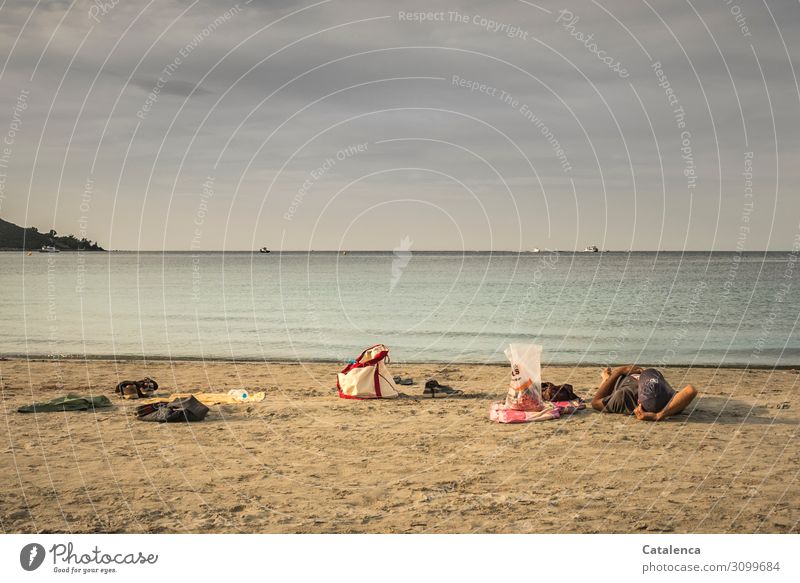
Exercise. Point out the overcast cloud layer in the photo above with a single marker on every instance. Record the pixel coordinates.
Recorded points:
(344, 124)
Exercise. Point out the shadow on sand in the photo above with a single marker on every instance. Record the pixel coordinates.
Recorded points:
(712, 409)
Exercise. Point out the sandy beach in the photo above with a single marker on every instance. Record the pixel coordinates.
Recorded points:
(304, 460)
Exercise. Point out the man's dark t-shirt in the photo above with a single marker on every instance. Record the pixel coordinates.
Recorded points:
(625, 396)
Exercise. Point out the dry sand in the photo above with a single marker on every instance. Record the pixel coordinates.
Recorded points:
(305, 461)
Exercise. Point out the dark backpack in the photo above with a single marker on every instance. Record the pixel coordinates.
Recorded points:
(551, 392)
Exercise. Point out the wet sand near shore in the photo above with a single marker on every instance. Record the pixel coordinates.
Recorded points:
(304, 460)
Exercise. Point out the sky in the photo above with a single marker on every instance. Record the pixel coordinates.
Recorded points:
(507, 125)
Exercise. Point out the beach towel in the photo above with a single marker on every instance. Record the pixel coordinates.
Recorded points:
(569, 407)
(500, 413)
(503, 414)
(69, 403)
(367, 377)
(232, 397)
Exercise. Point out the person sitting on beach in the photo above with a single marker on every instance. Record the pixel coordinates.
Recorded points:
(645, 393)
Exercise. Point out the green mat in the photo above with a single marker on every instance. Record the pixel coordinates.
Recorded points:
(69, 403)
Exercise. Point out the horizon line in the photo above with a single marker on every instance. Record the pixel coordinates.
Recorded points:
(515, 251)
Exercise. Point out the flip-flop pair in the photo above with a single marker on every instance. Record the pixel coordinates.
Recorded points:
(137, 389)
(436, 391)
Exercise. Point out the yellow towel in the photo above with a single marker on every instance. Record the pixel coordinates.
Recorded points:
(207, 398)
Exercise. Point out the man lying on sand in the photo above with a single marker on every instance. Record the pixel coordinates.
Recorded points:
(645, 393)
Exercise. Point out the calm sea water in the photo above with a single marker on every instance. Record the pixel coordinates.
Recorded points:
(659, 308)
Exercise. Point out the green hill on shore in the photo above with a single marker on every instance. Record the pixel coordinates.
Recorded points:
(16, 238)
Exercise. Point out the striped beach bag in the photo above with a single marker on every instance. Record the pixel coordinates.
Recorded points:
(368, 376)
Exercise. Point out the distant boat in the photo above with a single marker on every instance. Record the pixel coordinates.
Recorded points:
(263, 250)
(536, 250)
(344, 252)
(591, 249)
(48, 249)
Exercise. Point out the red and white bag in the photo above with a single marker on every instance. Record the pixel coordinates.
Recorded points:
(525, 388)
(368, 377)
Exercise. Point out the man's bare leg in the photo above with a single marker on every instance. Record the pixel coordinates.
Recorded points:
(678, 403)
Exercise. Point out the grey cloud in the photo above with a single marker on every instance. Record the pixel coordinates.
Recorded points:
(172, 87)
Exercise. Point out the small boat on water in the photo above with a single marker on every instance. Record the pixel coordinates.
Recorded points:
(263, 250)
(48, 249)
(591, 249)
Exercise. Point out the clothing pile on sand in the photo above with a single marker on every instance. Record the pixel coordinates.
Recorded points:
(191, 406)
(162, 409)
(181, 409)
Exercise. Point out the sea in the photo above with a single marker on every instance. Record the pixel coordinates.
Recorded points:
(652, 308)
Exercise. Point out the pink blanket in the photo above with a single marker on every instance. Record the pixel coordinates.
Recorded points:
(500, 413)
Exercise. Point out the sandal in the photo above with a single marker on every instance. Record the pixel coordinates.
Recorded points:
(434, 390)
(137, 389)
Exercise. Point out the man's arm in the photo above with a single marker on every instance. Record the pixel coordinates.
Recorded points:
(607, 385)
(678, 403)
